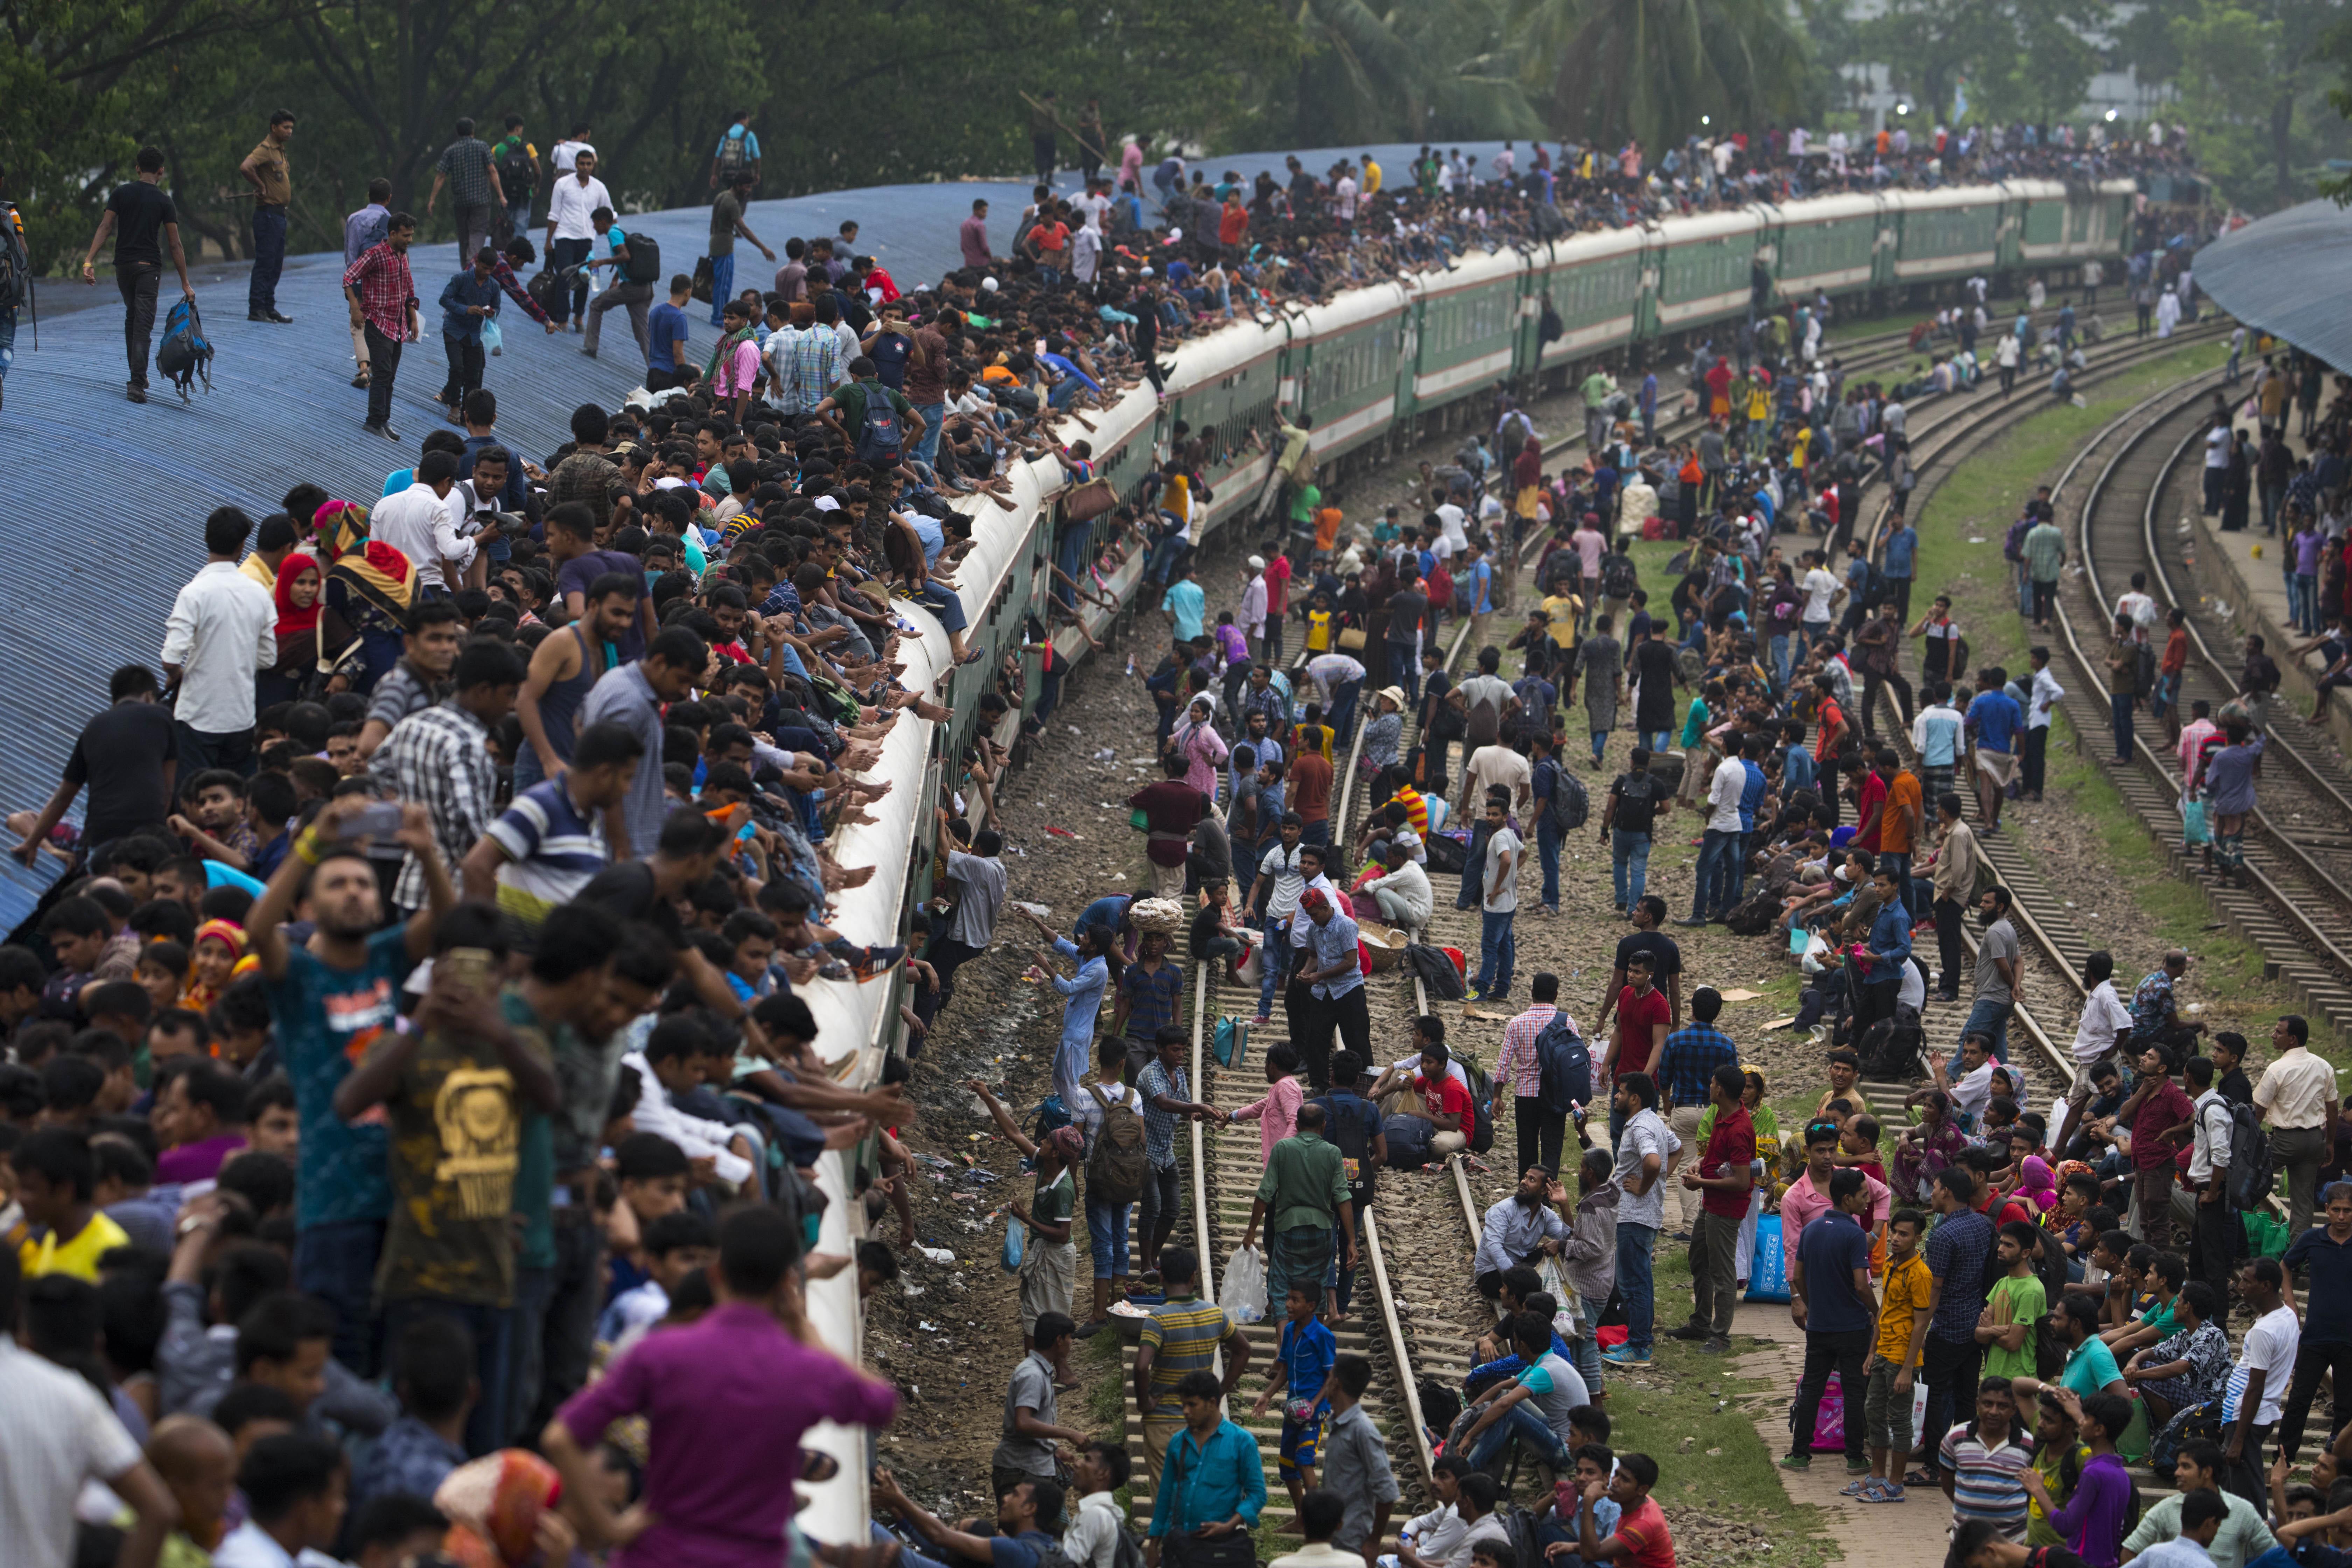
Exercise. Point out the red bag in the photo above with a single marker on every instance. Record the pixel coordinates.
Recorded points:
(1460, 964)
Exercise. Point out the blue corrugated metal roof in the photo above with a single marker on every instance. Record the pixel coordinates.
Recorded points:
(96, 548)
(2288, 275)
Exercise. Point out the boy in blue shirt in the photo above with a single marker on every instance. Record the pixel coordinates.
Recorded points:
(666, 329)
(1301, 1377)
(1994, 719)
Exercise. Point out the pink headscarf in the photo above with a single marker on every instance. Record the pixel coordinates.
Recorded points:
(2035, 1182)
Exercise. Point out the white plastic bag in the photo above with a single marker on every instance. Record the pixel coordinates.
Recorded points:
(493, 341)
(1245, 1292)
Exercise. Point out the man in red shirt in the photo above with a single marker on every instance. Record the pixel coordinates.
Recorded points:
(1277, 599)
(1445, 1102)
(1170, 809)
(1310, 780)
(1870, 801)
(1723, 1176)
(2160, 1119)
(1643, 1018)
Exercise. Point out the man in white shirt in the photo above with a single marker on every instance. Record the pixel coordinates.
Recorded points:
(1434, 1537)
(1085, 252)
(566, 152)
(2210, 1248)
(2044, 695)
(222, 629)
(1720, 847)
(570, 233)
(59, 1436)
(2298, 1098)
(1451, 534)
(417, 523)
(1253, 610)
(2251, 1400)
(701, 1140)
(2105, 1025)
(293, 1485)
(1091, 1538)
(2139, 605)
(1343, 194)
(1821, 594)
(1972, 1091)
(1338, 677)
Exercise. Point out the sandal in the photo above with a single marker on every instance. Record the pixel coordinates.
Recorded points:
(1918, 1478)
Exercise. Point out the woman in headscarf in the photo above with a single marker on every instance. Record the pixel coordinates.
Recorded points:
(299, 582)
(1928, 1147)
(2037, 1185)
(368, 589)
(219, 946)
(501, 1513)
(1049, 1257)
(1195, 738)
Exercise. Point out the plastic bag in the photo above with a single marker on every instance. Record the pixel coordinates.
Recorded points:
(1829, 1424)
(1245, 1292)
(1014, 1237)
(493, 341)
(2194, 828)
(1767, 1273)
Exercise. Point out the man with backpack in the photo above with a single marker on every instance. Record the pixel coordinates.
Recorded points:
(726, 223)
(737, 152)
(516, 163)
(878, 422)
(1548, 1067)
(145, 224)
(635, 262)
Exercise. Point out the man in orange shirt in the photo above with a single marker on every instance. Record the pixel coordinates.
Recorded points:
(1232, 224)
(1901, 815)
(1327, 529)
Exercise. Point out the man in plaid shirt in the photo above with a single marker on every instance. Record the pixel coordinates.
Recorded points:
(1520, 1070)
(439, 758)
(382, 296)
(805, 362)
(1684, 1068)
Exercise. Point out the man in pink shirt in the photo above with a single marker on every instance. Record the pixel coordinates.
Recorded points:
(2192, 736)
(727, 1401)
(1807, 1198)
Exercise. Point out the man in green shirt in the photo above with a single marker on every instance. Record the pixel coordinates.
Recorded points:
(2015, 1306)
(2045, 555)
(1598, 389)
(2242, 1536)
(1305, 1190)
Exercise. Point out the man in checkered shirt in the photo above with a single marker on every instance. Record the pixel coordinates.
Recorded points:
(439, 757)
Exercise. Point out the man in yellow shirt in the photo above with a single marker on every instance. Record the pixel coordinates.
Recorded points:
(1371, 182)
(56, 1175)
(273, 541)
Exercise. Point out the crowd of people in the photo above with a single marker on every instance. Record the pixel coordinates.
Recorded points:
(413, 1098)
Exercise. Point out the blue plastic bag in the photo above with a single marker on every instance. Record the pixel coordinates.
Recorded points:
(1768, 1272)
(1013, 1236)
(2195, 831)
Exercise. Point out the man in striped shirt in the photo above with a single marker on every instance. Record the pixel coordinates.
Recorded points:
(544, 847)
(1183, 1334)
(1981, 1462)
(439, 757)
(1685, 1068)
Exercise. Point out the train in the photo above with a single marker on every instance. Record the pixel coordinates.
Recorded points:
(1371, 367)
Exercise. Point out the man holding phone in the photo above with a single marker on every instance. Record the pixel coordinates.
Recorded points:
(330, 998)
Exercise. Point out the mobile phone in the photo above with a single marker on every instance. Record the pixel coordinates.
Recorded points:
(381, 820)
(469, 966)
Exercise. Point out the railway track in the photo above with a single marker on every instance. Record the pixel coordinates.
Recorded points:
(2295, 901)
(1414, 1313)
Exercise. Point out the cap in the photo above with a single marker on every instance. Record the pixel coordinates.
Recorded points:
(987, 285)
(1314, 900)
(1258, 563)
(827, 503)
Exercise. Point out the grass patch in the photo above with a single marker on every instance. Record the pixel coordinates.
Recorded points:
(1697, 1417)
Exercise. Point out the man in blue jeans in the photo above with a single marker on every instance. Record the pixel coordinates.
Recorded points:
(1720, 847)
(1499, 906)
(265, 169)
(1281, 877)
(1642, 1150)
(1626, 821)
(1533, 1407)
(1547, 838)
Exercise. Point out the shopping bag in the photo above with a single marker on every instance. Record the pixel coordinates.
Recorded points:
(493, 341)
(1244, 1297)
(1012, 1246)
(1799, 940)
(2195, 830)
(1829, 1425)
(1767, 1273)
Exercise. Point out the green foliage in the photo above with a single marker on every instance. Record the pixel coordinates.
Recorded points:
(1433, 68)
(2253, 90)
(2021, 59)
(1649, 69)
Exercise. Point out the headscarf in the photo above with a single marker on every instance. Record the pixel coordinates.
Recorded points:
(2035, 1182)
(1068, 1144)
(493, 1505)
(198, 997)
(341, 526)
(293, 620)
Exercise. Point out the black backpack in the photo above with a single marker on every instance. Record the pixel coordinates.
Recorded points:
(1354, 1145)
(1642, 791)
(883, 432)
(1619, 576)
(1564, 1063)
(645, 258)
(1571, 804)
(15, 262)
(1436, 970)
(515, 176)
(1876, 589)
(1482, 1098)
(2250, 1158)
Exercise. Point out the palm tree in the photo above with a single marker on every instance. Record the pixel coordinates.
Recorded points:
(1651, 68)
(1424, 68)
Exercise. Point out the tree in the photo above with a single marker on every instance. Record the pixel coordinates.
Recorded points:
(2021, 59)
(1431, 68)
(1650, 68)
(2253, 92)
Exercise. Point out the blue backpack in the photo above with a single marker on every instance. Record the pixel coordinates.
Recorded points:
(884, 433)
(185, 352)
(1565, 1062)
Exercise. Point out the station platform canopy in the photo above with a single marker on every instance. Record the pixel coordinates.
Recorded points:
(2288, 275)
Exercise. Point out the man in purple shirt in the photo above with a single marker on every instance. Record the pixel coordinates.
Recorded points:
(972, 236)
(727, 1401)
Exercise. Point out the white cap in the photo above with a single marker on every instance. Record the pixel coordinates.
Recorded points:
(1173, 235)
(827, 503)
(987, 285)
(1258, 563)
